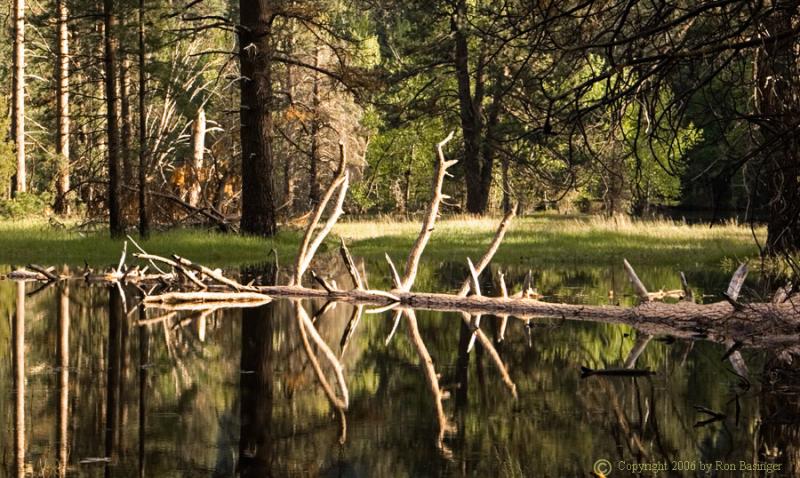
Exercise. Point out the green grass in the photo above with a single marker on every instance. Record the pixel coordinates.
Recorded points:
(541, 240)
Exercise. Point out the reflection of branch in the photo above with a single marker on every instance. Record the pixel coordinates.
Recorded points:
(431, 378)
(307, 329)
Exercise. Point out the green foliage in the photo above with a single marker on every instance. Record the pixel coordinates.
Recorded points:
(25, 205)
(7, 166)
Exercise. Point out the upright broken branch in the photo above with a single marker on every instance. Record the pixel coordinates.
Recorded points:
(412, 264)
(309, 246)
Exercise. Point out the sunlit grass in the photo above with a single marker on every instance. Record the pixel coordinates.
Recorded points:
(537, 240)
(548, 239)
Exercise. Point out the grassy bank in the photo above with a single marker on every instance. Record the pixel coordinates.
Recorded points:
(543, 240)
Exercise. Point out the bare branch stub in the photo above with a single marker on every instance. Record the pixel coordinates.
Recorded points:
(412, 264)
(351, 266)
(638, 287)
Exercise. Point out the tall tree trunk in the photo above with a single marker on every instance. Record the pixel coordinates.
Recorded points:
(112, 118)
(288, 161)
(144, 221)
(198, 149)
(62, 110)
(778, 87)
(477, 172)
(314, 157)
(18, 113)
(255, 59)
(125, 105)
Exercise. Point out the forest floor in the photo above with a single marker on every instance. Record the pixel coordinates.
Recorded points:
(539, 240)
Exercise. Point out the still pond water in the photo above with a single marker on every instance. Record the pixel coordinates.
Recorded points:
(109, 391)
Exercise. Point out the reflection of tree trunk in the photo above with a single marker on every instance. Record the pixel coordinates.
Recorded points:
(124, 363)
(19, 382)
(112, 372)
(144, 357)
(778, 437)
(63, 388)
(256, 388)
(462, 366)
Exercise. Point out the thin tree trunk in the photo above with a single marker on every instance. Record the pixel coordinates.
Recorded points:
(144, 221)
(125, 104)
(314, 157)
(112, 117)
(255, 57)
(198, 149)
(18, 113)
(62, 110)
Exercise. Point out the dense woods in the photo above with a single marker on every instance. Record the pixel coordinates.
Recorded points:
(230, 113)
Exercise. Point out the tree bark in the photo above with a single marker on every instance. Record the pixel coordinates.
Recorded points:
(62, 110)
(314, 156)
(18, 113)
(116, 225)
(198, 150)
(477, 166)
(144, 221)
(125, 105)
(777, 90)
(255, 57)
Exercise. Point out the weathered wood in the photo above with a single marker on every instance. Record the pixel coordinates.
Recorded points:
(638, 287)
(351, 266)
(412, 263)
(310, 242)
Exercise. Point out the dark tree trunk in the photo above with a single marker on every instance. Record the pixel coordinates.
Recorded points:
(255, 57)
(144, 221)
(778, 87)
(112, 118)
(256, 389)
(477, 168)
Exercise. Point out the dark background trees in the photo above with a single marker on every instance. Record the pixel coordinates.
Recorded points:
(615, 108)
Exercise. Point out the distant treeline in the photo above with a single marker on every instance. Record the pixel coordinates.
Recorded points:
(231, 112)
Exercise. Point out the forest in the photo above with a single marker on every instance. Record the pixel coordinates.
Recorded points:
(142, 115)
(399, 238)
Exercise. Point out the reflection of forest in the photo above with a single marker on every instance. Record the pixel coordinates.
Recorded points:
(236, 393)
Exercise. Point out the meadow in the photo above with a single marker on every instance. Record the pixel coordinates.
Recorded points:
(537, 240)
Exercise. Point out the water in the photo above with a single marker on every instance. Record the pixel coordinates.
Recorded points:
(234, 393)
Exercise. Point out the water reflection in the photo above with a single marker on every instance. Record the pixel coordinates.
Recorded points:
(313, 389)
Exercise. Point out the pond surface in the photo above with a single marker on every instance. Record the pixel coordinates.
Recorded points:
(109, 391)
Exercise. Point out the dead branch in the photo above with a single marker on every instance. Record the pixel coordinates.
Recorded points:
(412, 264)
(309, 247)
